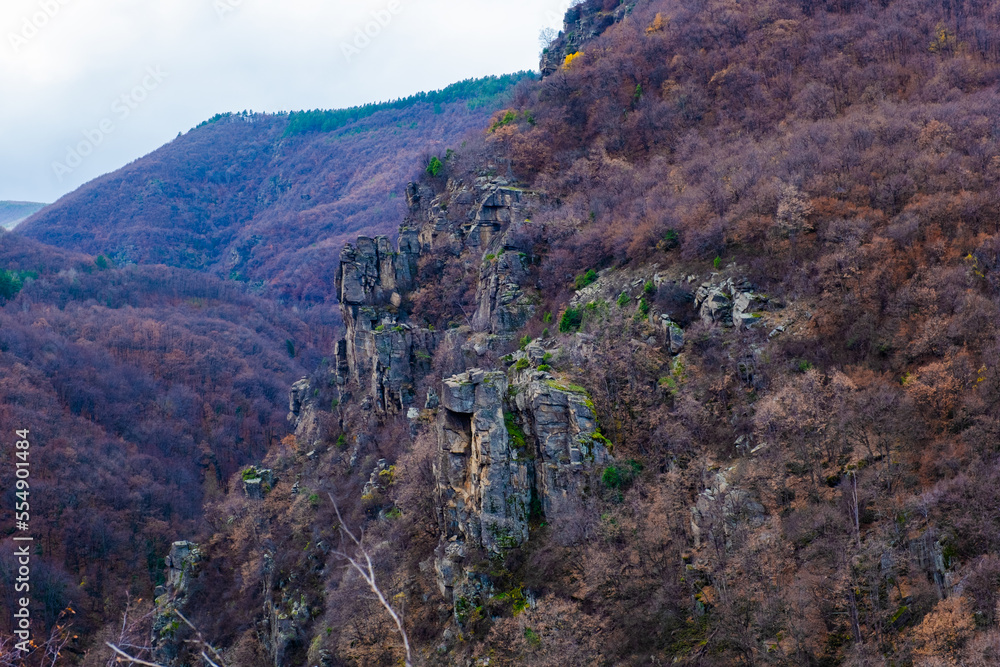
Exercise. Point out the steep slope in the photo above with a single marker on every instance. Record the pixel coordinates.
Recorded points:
(13, 212)
(755, 243)
(689, 357)
(268, 199)
(144, 390)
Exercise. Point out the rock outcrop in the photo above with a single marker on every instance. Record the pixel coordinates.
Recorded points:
(502, 308)
(510, 453)
(258, 482)
(166, 638)
(730, 303)
(304, 416)
(383, 353)
(583, 23)
(720, 508)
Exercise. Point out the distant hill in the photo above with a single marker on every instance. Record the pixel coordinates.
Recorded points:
(13, 212)
(269, 199)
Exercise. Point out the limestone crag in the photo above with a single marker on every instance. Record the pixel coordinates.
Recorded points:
(568, 446)
(510, 453)
(379, 351)
(720, 508)
(483, 479)
(730, 303)
(166, 637)
(673, 333)
(384, 354)
(304, 416)
(583, 22)
(502, 307)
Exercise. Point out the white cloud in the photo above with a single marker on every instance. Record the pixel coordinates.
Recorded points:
(63, 63)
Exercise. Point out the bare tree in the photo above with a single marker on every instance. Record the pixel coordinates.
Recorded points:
(365, 568)
(47, 654)
(205, 649)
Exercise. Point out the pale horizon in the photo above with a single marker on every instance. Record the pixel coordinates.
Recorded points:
(123, 80)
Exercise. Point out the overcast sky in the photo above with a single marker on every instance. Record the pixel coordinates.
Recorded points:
(90, 85)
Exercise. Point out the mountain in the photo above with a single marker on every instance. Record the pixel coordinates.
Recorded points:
(687, 355)
(13, 212)
(144, 388)
(269, 199)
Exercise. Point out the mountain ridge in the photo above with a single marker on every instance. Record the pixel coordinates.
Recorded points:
(267, 207)
(14, 212)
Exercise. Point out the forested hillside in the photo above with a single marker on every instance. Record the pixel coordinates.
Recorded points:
(268, 200)
(145, 389)
(687, 355)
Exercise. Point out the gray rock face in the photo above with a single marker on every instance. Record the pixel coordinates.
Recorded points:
(382, 355)
(720, 509)
(303, 415)
(674, 334)
(257, 482)
(716, 308)
(370, 271)
(483, 482)
(581, 25)
(182, 566)
(502, 448)
(569, 448)
(730, 303)
(501, 306)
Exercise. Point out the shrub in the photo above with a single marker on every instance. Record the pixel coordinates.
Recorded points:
(671, 240)
(434, 167)
(10, 285)
(649, 289)
(521, 364)
(545, 368)
(619, 476)
(525, 341)
(588, 278)
(514, 430)
(571, 320)
(623, 300)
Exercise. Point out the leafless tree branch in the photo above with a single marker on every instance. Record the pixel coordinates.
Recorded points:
(367, 572)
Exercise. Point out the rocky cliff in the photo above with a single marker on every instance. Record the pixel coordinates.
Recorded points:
(384, 352)
(511, 451)
(583, 23)
(514, 445)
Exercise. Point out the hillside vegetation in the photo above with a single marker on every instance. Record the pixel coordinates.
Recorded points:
(688, 355)
(268, 200)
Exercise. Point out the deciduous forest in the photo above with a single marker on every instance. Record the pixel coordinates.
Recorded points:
(684, 352)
